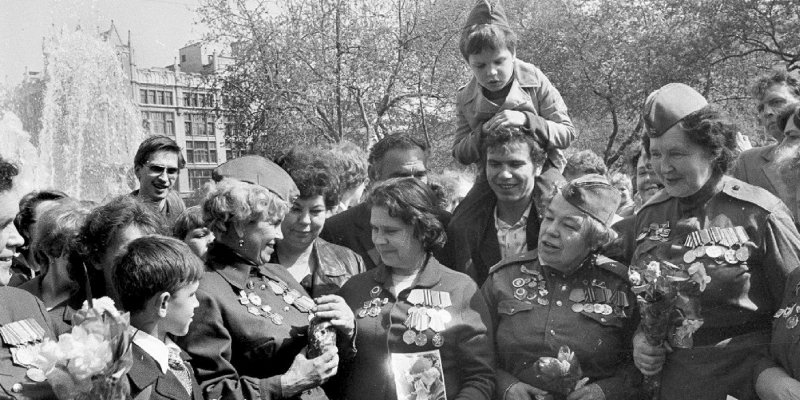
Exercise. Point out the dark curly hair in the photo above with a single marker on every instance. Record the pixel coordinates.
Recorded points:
(311, 170)
(504, 137)
(709, 128)
(7, 173)
(414, 203)
(774, 77)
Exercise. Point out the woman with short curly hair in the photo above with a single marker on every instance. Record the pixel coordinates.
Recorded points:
(742, 235)
(411, 306)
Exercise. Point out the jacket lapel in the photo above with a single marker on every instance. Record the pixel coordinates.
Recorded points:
(363, 234)
(770, 171)
(170, 387)
(144, 371)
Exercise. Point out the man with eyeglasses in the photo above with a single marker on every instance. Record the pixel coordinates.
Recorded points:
(394, 156)
(156, 164)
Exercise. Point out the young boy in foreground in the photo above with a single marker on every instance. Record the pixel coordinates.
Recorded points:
(156, 278)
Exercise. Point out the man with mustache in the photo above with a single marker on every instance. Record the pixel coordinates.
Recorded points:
(761, 166)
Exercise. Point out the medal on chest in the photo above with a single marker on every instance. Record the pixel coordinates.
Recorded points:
(789, 315)
(531, 286)
(655, 232)
(596, 298)
(252, 300)
(721, 245)
(23, 338)
(372, 307)
(428, 311)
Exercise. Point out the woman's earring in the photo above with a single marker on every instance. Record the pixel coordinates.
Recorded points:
(241, 242)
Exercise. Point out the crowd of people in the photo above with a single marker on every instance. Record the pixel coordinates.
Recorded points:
(446, 286)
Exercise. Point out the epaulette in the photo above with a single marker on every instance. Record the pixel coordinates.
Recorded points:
(613, 266)
(527, 256)
(752, 194)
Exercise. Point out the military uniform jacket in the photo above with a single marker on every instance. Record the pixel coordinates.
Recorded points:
(531, 93)
(785, 343)
(147, 381)
(18, 305)
(466, 352)
(236, 354)
(739, 301)
(333, 266)
(529, 324)
(756, 166)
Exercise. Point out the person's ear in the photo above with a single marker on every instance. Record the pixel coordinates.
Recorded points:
(238, 228)
(163, 304)
(373, 173)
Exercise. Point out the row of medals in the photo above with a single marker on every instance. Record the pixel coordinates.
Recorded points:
(723, 245)
(23, 336)
(291, 297)
(596, 299)
(427, 312)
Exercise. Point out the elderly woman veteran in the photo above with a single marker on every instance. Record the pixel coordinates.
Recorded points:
(321, 267)
(412, 307)
(248, 334)
(742, 235)
(565, 293)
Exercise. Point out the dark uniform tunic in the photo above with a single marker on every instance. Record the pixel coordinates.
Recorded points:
(466, 352)
(785, 345)
(236, 354)
(738, 303)
(531, 324)
(18, 305)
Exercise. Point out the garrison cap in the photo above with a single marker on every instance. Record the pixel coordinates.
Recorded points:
(488, 12)
(667, 106)
(593, 195)
(259, 171)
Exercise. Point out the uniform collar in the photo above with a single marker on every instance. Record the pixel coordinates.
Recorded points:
(237, 270)
(522, 79)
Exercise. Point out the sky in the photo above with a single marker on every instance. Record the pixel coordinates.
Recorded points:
(158, 28)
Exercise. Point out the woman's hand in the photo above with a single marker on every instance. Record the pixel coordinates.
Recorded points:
(649, 359)
(523, 391)
(305, 374)
(776, 384)
(589, 392)
(335, 309)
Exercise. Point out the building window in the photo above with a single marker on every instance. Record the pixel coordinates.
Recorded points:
(201, 152)
(199, 125)
(198, 177)
(143, 96)
(168, 98)
(162, 123)
(155, 97)
(183, 57)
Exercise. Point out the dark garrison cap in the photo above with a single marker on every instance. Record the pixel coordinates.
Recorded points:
(487, 12)
(667, 106)
(593, 195)
(260, 171)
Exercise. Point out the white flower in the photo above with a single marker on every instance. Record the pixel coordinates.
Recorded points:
(654, 267)
(635, 277)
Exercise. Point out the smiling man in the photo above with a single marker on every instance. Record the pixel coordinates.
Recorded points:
(157, 164)
(507, 223)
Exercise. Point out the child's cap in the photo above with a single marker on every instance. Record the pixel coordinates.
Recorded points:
(487, 12)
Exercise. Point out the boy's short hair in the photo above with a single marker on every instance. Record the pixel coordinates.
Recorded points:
(190, 219)
(584, 162)
(505, 137)
(477, 38)
(152, 265)
(156, 143)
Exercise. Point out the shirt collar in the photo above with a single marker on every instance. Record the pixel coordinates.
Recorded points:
(523, 220)
(155, 348)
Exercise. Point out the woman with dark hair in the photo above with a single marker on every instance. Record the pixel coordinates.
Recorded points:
(31, 207)
(321, 267)
(57, 232)
(411, 306)
(743, 237)
(107, 230)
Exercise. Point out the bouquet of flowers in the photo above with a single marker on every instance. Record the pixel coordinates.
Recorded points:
(668, 298)
(561, 374)
(90, 362)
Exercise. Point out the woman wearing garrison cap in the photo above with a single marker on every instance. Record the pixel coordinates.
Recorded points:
(565, 294)
(742, 235)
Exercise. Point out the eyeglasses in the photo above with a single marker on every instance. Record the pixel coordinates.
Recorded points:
(156, 169)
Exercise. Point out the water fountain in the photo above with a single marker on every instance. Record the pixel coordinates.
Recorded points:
(90, 126)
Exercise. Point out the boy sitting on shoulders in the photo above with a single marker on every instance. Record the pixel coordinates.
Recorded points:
(157, 278)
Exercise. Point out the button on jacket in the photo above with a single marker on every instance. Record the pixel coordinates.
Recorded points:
(466, 353)
(526, 330)
(739, 301)
(238, 355)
